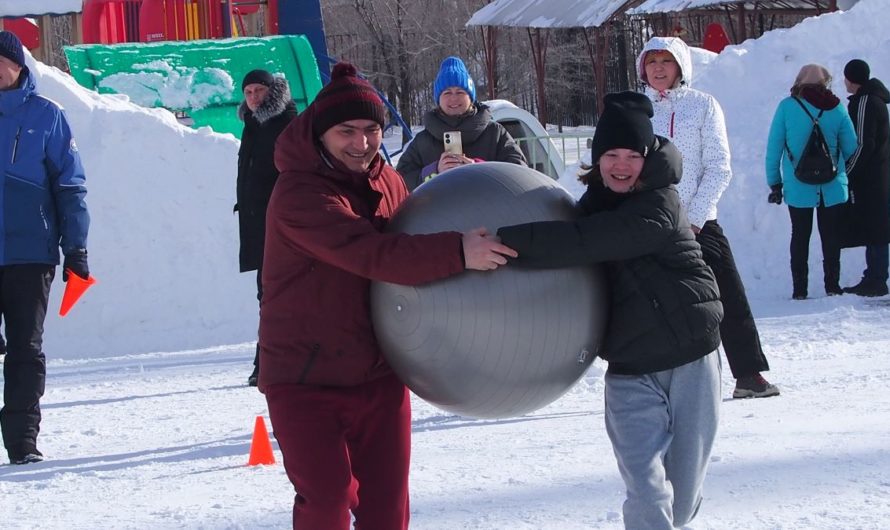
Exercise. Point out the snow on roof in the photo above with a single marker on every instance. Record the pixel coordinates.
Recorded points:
(665, 6)
(34, 8)
(546, 13)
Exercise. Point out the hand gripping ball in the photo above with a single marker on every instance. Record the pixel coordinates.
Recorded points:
(490, 344)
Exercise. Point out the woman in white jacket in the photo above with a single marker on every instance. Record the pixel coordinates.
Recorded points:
(693, 120)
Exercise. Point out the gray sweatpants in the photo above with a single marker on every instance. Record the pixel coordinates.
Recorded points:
(662, 427)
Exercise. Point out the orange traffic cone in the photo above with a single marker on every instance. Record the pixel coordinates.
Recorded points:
(260, 446)
(74, 289)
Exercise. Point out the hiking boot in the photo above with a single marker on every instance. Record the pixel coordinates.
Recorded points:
(254, 376)
(29, 457)
(754, 386)
(868, 287)
(799, 295)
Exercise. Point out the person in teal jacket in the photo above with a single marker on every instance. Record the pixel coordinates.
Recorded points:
(790, 131)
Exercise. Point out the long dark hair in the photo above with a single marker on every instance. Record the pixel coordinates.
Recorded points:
(589, 172)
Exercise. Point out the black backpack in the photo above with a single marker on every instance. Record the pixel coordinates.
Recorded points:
(816, 166)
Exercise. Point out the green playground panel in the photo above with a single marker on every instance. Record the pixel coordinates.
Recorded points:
(200, 77)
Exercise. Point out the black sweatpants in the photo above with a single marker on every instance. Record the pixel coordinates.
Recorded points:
(24, 292)
(741, 342)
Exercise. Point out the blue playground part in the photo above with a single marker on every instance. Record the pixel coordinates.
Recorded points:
(303, 17)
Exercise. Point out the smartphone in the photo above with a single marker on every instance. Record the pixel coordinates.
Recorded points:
(453, 143)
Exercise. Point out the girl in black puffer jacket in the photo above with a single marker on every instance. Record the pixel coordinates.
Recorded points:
(663, 381)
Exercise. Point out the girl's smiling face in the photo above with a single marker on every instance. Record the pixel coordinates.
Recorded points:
(620, 169)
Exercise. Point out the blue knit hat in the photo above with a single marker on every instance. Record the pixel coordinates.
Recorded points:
(453, 72)
(11, 48)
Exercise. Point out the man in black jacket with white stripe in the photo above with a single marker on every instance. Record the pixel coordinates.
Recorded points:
(869, 173)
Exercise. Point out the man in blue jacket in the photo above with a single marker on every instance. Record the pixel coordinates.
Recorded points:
(41, 208)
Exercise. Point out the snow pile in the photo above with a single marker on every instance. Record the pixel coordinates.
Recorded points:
(749, 80)
(159, 84)
(163, 242)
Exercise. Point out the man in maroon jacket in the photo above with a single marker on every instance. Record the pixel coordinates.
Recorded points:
(341, 417)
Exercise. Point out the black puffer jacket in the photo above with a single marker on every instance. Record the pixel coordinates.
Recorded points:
(869, 168)
(256, 168)
(665, 308)
(481, 137)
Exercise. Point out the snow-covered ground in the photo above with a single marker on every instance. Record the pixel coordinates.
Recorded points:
(147, 422)
(161, 441)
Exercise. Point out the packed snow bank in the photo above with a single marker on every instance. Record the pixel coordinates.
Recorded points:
(163, 240)
(749, 80)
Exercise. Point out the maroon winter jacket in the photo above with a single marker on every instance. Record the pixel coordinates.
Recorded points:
(324, 246)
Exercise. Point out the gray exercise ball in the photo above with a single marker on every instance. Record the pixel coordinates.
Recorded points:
(490, 344)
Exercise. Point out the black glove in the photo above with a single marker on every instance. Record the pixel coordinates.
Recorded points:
(775, 196)
(76, 261)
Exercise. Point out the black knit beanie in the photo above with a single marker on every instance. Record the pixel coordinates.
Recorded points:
(857, 71)
(625, 123)
(258, 77)
(347, 97)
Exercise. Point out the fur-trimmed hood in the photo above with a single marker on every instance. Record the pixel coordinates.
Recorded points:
(277, 101)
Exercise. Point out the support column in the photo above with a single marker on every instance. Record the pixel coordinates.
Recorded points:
(538, 38)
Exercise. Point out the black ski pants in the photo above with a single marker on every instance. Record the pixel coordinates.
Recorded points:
(24, 293)
(741, 342)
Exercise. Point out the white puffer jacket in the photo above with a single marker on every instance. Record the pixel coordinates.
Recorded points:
(694, 122)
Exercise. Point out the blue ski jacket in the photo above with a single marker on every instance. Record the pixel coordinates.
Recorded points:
(43, 186)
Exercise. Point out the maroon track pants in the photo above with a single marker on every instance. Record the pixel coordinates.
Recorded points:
(345, 449)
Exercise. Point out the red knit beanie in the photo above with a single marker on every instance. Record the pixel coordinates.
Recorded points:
(347, 97)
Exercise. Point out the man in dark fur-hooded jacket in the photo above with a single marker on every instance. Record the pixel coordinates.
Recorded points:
(266, 111)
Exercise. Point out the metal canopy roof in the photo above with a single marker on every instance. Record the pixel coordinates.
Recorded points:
(665, 6)
(547, 13)
(593, 13)
(33, 8)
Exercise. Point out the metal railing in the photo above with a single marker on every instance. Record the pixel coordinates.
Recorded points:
(571, 148)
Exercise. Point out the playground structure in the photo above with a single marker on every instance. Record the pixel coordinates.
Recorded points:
(119, 21)
(201, 79)
(189, 56)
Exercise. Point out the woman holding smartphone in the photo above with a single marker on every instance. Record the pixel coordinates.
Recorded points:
(472, 134)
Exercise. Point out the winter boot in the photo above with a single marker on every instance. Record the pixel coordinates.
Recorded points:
(754, 386)
(868, 287)
(832, 271)
(25, 454)
(30, 458)
(799, 280)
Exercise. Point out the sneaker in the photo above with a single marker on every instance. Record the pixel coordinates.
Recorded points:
(27, 458)
(254, 377)
(754, 386)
